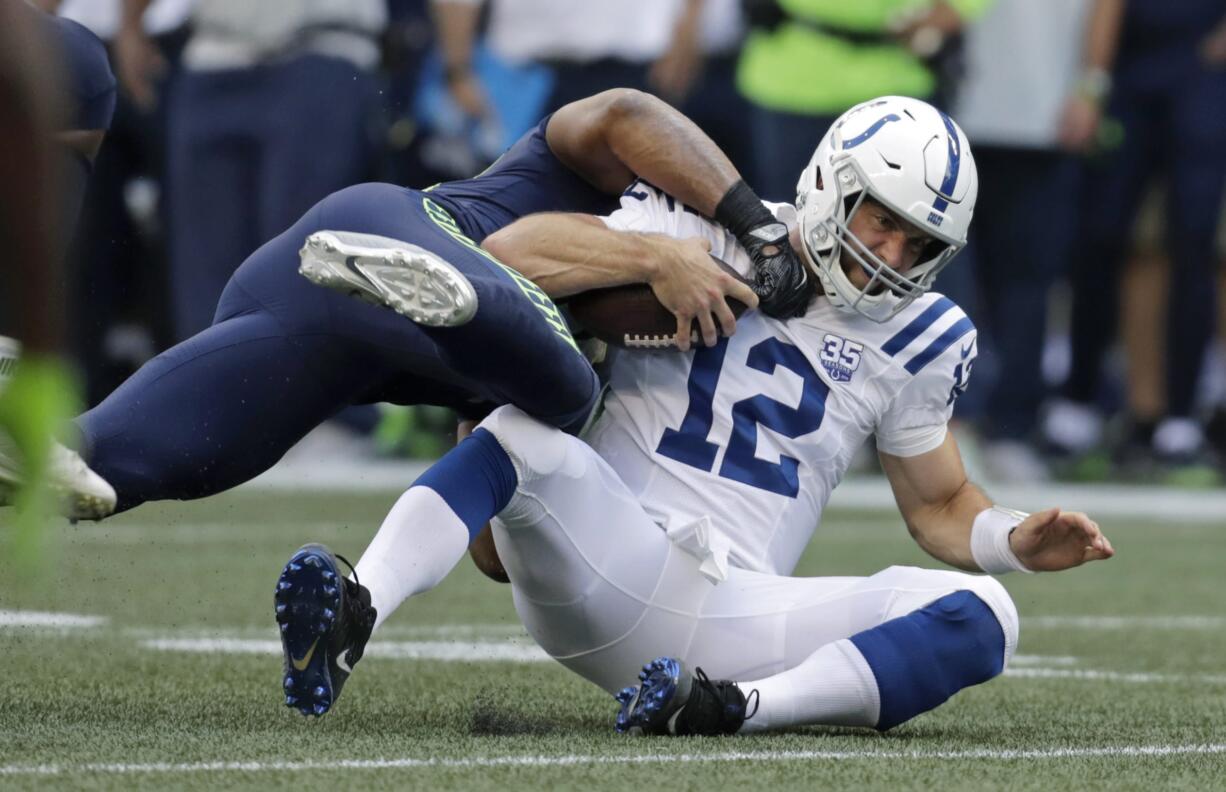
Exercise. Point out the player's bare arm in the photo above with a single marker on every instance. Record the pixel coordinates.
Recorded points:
(955, 522)
(569, 253)
(611, 137)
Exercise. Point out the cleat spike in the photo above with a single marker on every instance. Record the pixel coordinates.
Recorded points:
(312, 561)
(284, 585)
(282, 608)
(330, 591)
(294, 567)
(328, 614)
(320, 709)
(284, 626)
(328, 576)
(320, 692)
(289, 682)
(290, 700)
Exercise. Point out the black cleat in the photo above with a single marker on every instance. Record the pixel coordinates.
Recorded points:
(670, 701)
(325, 620)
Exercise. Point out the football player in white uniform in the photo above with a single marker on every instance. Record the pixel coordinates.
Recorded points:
(671, 533)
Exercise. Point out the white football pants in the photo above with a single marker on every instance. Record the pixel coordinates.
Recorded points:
(603, 590)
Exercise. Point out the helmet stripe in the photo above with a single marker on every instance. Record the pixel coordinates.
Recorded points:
(868, 133)
(953, 162)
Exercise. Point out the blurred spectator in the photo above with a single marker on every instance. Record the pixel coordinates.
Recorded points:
(1023, 114)
(1215, 431)
(533, 56)
(117, 271)
(806, 61)
(274, 109)
(697, 73)
(1168, 95)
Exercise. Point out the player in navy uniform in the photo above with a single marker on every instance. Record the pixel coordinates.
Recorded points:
(283, 355)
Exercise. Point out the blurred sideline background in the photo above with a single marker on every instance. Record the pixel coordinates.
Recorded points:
(1099, 126)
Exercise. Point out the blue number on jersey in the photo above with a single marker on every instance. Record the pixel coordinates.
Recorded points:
(689, 444)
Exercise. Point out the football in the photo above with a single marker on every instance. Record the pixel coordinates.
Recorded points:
(630, 316)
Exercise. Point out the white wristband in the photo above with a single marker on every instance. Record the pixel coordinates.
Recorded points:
(990, 540)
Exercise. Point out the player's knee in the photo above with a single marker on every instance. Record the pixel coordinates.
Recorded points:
(361, 207)
(535, 448)
(921, 659)
(993, 594)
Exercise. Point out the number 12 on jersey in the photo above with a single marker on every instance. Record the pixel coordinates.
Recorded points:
(689, 445)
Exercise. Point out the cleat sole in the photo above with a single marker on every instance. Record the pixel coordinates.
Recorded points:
(646, 710)
(305, 605)
(409, 280)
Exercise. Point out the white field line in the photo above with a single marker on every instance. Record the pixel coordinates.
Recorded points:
(860, 493)
(459, 652)
(422, 632)
(183, 533)
(1126, 622)
(571, 760)
(1043, 660)
(22, 618)
(447, 651)
(504, 631)
(1090, 674)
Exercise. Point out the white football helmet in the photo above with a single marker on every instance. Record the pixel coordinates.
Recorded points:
(908, 156)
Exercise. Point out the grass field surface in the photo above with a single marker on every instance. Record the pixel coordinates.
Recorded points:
(146, 657)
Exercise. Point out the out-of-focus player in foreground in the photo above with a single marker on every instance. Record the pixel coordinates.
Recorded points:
(57, 95)
(673, 534)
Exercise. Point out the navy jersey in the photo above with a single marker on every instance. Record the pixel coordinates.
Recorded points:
(527, 179)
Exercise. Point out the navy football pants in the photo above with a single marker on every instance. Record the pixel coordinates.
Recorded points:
(283, 355)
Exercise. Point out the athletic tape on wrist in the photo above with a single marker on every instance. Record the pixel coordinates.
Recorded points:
(990, 540)
(741, 210)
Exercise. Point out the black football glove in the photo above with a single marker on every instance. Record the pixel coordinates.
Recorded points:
(780, 280)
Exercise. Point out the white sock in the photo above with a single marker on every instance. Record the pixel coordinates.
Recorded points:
(834, 686)
(420, 541)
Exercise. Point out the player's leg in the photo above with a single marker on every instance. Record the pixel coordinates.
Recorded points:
(1198, 176)
(1110, 196)
(511, 464)
(325, 627)
(225, 405)
(490, 324)
(939, 632)
(873, 651)
(215, 410)
(31, 404)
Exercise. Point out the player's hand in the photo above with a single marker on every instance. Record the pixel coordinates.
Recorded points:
(675, 72)
(469, 96)
(139, 64)
(692, 286)
(1213, 48)
(1079, 123)
(1052, 540)
(783, 285)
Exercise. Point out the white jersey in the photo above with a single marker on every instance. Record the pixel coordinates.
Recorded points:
(755, 433)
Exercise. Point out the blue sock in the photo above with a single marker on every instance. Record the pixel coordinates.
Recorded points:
(476, 479)
(923, 658)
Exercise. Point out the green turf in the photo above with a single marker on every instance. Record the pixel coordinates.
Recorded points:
(77, 697)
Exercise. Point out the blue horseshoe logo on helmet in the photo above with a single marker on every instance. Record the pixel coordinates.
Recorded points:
(868, 133)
